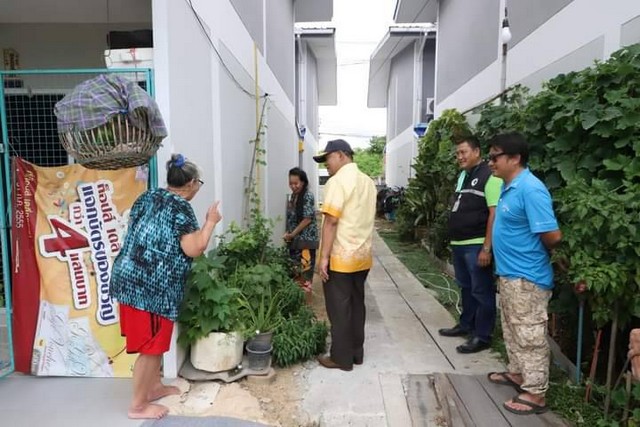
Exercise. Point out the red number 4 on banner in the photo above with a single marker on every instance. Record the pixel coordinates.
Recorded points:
(65, 238)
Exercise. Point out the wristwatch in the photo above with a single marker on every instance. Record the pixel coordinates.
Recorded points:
(486, 249)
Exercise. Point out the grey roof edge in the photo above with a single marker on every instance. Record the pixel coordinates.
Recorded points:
(321, 41)
(313, 10)
(412, 11)
(393, 42)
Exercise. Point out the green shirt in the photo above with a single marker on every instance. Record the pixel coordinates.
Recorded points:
(491, 194)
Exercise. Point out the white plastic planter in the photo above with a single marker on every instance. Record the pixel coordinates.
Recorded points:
(217, 352)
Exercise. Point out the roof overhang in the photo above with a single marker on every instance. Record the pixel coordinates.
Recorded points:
(397, 38)
(313, 10)
(415, 11)
(322, 42)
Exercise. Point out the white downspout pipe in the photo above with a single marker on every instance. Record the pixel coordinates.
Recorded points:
(301, 113)
(417, 77)
(417, 92)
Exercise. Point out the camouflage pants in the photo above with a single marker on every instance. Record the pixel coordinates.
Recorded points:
(524, 326)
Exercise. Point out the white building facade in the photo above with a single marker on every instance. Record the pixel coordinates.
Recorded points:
(210, 60)
(548, 38)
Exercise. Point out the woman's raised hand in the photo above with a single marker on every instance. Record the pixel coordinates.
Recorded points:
(213, 214)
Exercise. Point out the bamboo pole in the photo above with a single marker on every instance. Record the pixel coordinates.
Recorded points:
(594, 365)
(610, 361)
(627, 403)
(258, 126)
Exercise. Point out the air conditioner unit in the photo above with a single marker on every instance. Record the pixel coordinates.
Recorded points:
(430, 106)
(130, 58)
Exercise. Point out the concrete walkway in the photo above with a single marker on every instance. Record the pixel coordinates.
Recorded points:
(401, 342)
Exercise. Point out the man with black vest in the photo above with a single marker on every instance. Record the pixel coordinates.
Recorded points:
(470, 224)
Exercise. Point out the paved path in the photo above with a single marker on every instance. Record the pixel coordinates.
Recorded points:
(401, 340)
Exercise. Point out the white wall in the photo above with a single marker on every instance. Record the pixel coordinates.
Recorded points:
(307, 98)
(311, 148)
(211, 119)
(573, 28)
(401, 151)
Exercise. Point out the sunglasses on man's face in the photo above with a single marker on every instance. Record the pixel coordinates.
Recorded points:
(494, 157)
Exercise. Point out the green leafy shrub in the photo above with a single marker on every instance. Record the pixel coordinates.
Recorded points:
(507, 115)
(299, 338)
(291, 299)
(246, 285)
(584, 134)
(601, 244)
(405, 221)
(210, 301)
(428, 195)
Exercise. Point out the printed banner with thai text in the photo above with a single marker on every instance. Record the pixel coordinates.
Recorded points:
(68, 226)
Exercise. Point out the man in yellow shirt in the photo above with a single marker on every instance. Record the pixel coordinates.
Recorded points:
(349, 209)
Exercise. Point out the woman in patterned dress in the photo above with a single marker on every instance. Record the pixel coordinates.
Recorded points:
(302, 228)
(149, 275)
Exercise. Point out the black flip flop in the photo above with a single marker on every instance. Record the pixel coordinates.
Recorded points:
(504, 381)
(534, 408)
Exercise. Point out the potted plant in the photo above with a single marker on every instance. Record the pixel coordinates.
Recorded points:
(209, 318)
(245, 285)
(261, 317)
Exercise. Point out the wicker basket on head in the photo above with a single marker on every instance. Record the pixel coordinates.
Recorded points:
(117, 144)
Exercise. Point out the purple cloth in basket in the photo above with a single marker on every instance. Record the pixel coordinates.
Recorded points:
(94, 102)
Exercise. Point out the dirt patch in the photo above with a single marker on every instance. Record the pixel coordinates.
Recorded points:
(281, 401)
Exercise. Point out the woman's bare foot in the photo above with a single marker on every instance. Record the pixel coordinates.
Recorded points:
(162, 390)
(148, 411)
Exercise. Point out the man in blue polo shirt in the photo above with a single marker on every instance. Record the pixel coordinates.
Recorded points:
(525, 230)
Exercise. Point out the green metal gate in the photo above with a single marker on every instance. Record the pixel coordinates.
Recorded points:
(29, 130)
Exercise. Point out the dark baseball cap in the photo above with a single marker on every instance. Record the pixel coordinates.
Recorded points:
(332, 146)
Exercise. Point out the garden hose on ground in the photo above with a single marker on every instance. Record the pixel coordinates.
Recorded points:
(448, 288)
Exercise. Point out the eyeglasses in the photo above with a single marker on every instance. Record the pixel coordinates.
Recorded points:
(201, 182)
(494, 157)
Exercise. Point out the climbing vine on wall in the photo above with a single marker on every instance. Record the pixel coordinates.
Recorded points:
(428, 194)
(584, 133)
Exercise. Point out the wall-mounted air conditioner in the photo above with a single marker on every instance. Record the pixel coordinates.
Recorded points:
(129, 58)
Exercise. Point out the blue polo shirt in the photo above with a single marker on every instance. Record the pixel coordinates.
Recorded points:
(524, 211)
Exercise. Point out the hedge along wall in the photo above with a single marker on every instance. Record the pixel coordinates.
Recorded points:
(584, 132)
(428, 194)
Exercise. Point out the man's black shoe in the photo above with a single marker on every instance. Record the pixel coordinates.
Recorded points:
(474, 345)
(328, 363)
(456, 331)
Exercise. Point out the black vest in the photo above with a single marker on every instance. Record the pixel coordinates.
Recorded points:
(469, 212)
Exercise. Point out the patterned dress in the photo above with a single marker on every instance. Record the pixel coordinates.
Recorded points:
(151, 269)
(303, 246)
